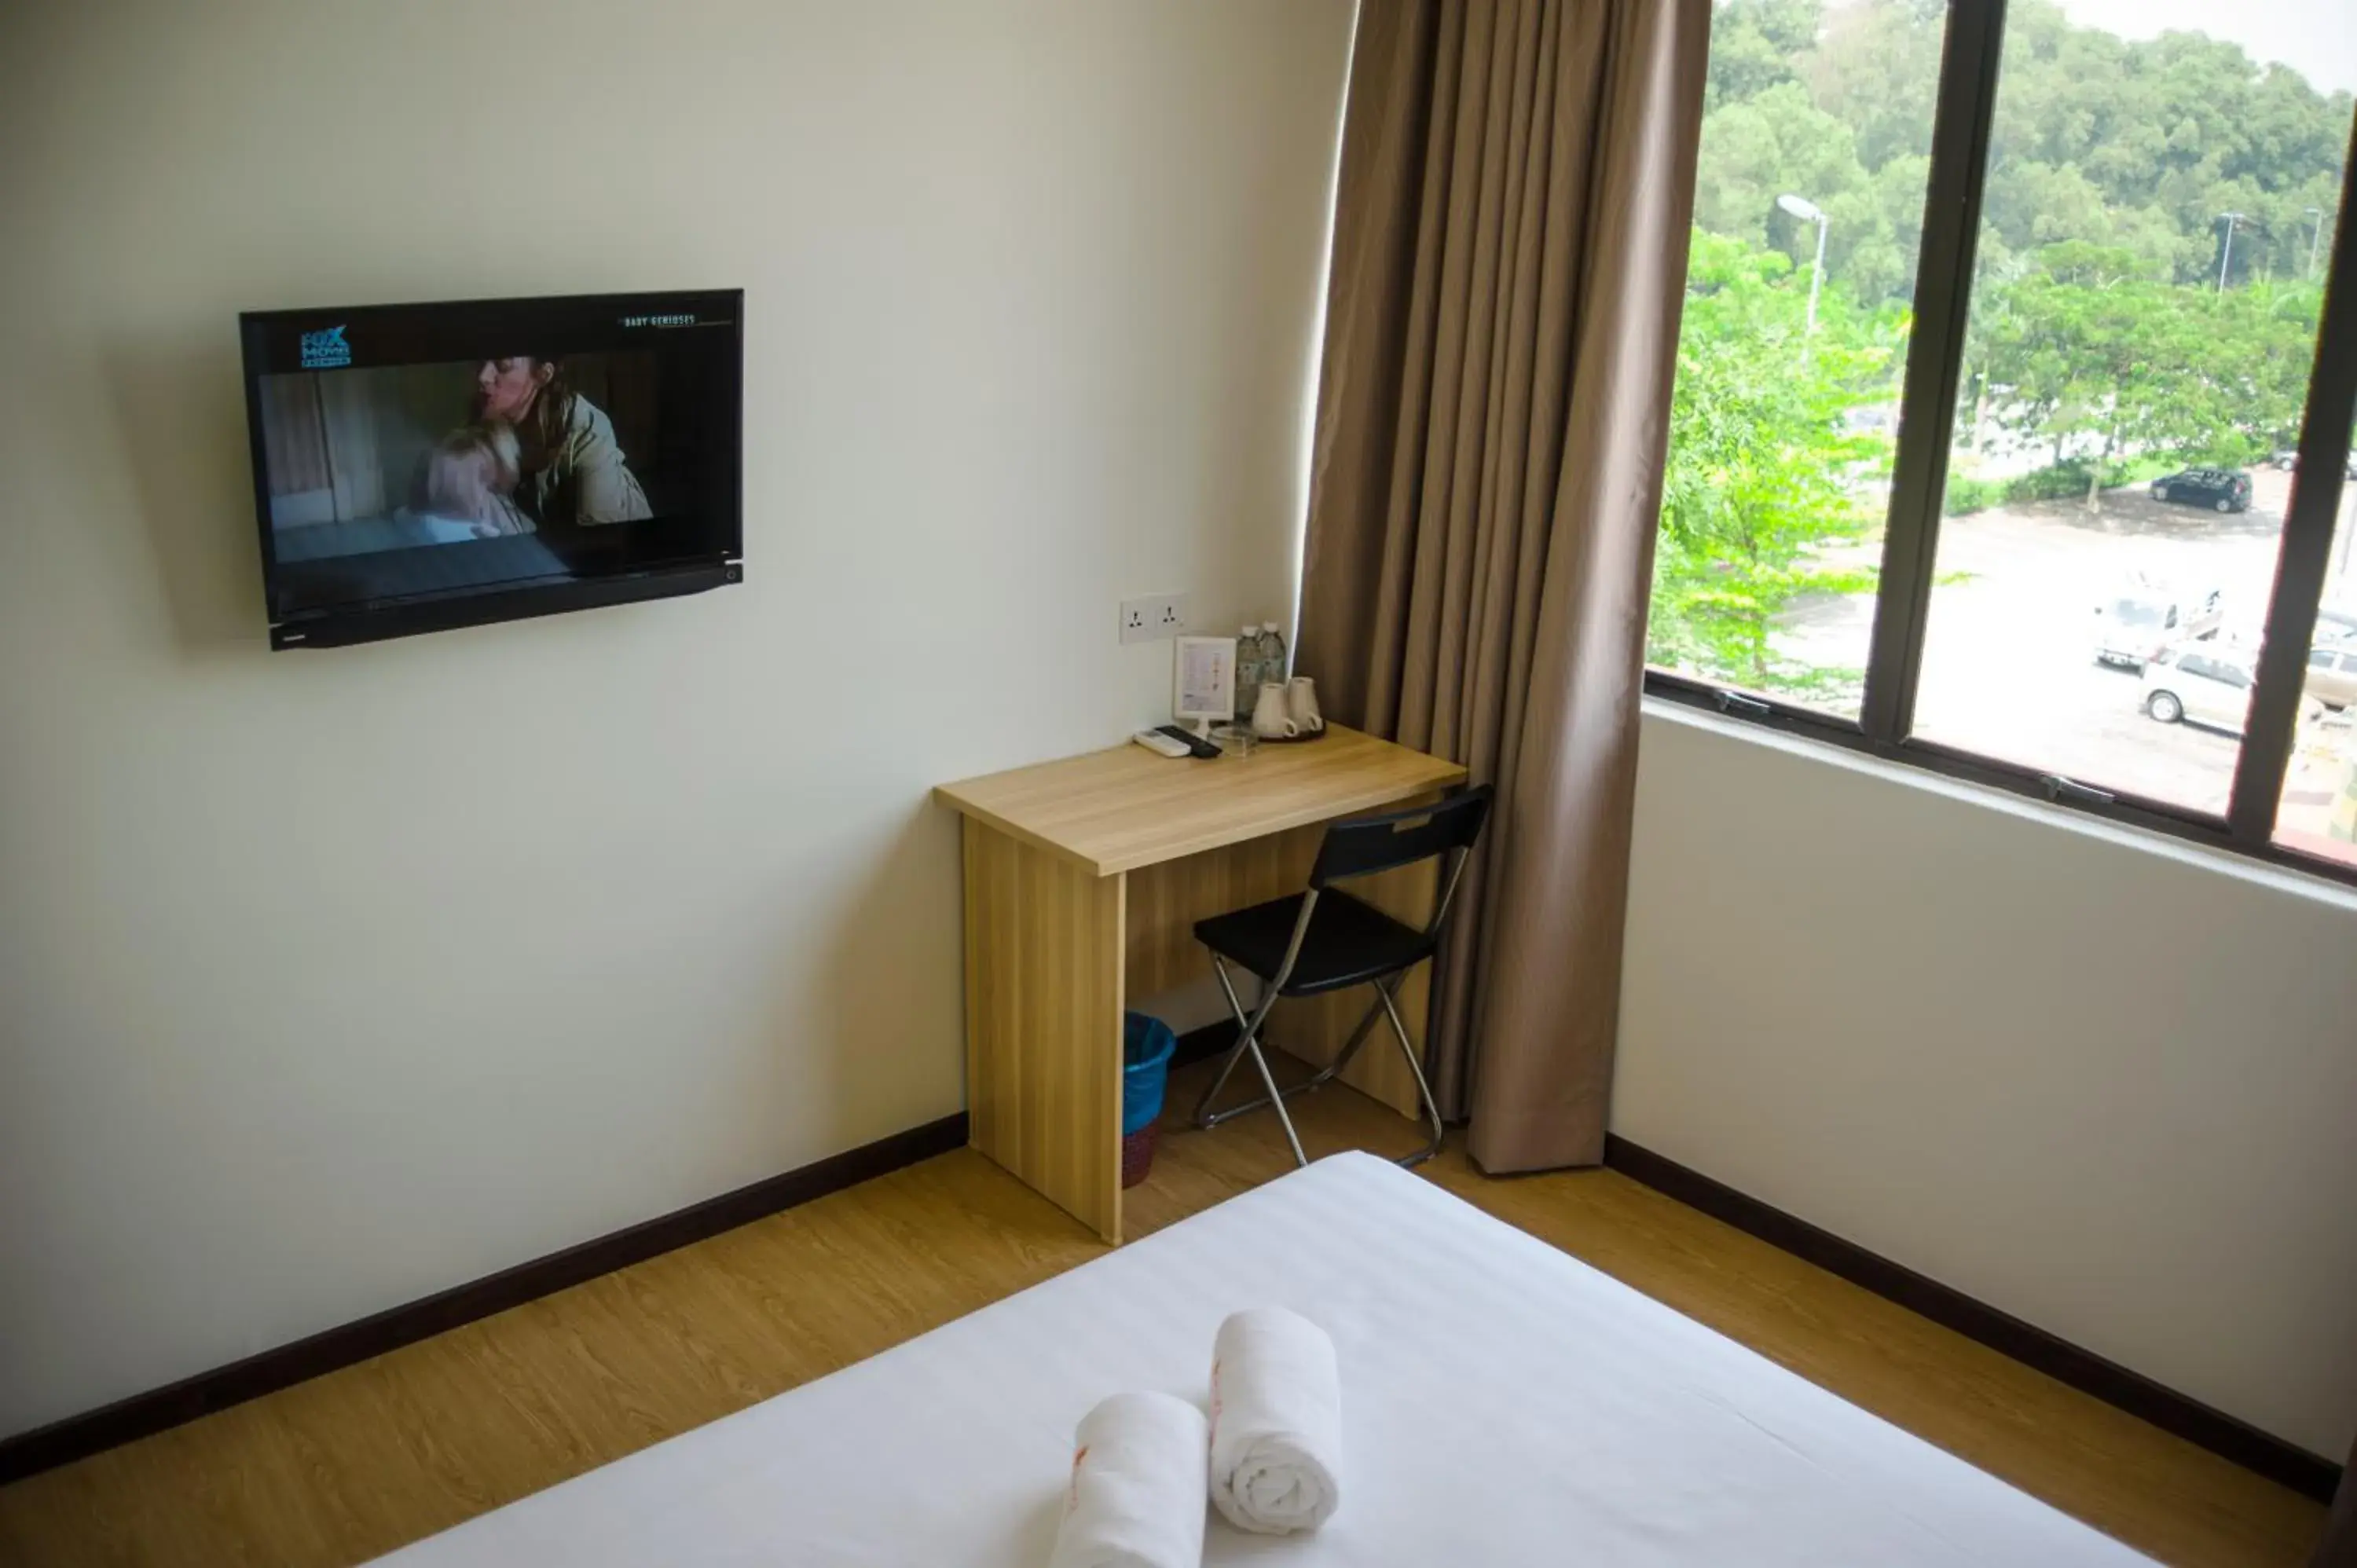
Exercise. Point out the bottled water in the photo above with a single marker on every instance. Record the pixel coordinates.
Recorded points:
(1248, 672)
(1272, 653)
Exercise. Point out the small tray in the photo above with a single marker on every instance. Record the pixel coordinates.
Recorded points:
(1260, 739)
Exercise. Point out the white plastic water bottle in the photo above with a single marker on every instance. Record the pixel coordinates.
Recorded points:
(1272, 652)
(1249, 663)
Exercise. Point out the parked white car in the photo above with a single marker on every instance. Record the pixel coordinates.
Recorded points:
(2332, 675)
(2134, 625)
(2208, 684)
(2336, 624)
(2193, 683)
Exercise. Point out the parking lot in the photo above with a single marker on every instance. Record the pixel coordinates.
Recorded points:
(2008, 664)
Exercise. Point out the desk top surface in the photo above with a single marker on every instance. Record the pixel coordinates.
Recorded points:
(1120, 809)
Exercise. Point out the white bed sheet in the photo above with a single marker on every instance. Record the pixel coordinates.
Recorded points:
(1503, 1403)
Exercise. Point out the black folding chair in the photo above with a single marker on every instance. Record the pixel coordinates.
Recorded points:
(1324, 940)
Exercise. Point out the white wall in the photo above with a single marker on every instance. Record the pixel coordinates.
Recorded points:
(2099, 1079)
(329, 979)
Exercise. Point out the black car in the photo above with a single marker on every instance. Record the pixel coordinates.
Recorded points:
(2219, 490)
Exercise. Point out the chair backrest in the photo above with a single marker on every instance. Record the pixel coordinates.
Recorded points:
(1365, 845)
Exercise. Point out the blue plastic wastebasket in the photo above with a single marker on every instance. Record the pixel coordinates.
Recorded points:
(1147, 1044)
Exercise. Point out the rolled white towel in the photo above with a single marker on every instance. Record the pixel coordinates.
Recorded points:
(1136, 1494)
(1276, 1422)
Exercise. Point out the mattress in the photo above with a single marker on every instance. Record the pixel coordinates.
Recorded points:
(1503, 1403)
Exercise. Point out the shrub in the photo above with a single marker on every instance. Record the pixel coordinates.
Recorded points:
(1968, 496)
(2063, 481)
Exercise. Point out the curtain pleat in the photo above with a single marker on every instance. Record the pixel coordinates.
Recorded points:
(1494, 392)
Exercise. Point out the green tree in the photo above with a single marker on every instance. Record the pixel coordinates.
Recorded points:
(1877, 68)
(2256, 348)
(1754, 151)
(2097, 326)
(1753, 44)
(2134, 144)
(1763, 477)
(2092, 350)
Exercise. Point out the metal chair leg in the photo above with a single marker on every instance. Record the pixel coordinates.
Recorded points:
(1276, 1103)
(1422, 1089)
(1247, 1027)
(1366, 1026)
(1248, 1041)
(1315, 1081)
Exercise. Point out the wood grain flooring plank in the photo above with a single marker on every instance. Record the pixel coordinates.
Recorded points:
(353, 1463)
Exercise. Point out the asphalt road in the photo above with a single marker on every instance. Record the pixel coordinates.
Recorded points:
(2009, 662)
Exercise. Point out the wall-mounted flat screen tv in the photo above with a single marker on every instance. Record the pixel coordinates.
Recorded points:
(421, 467)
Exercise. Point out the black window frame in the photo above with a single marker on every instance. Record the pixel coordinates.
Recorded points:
(1964, 110)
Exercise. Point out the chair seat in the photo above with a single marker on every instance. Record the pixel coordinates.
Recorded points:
(1349, 942)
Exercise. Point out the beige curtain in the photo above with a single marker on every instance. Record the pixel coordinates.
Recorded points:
(1510, 245)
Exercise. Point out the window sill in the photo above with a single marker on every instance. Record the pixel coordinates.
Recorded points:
(2317, 886)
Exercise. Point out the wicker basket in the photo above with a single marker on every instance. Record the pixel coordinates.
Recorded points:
(1137, 1155)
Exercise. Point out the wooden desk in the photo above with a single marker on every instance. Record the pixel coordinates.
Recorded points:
(1083, 880)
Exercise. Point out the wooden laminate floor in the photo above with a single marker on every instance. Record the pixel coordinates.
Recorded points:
(363, 1460)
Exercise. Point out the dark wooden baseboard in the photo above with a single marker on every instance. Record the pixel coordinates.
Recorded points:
(140, 1415)
(78, 1437)
(1200, 1044)
(2198, 1423)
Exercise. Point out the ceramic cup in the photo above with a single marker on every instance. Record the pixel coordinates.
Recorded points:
(1270, 720)
(1301, 704)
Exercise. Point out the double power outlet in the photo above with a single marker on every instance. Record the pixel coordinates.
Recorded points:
(1153, 617)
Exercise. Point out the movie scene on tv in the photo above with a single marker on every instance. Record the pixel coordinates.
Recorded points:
(394, 457)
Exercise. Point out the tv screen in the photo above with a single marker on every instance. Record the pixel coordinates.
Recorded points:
(425, 465)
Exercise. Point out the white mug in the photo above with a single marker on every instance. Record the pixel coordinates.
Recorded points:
(1269, 720)
(1301, 701)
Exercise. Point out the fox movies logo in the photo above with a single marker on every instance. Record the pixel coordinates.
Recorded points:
(326, 350)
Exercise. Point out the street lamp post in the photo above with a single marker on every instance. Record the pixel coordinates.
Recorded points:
(2226, 257)
(1808, 211)
(2315, 240)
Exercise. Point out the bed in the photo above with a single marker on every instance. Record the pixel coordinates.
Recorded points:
(1503, 1403)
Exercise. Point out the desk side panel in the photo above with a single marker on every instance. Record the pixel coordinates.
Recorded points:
(1043, 999)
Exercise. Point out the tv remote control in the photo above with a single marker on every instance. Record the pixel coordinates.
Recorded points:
(1190, 739)
(1153, 740)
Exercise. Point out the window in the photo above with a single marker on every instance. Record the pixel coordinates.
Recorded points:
(2013, 334)
(1799, 298)
(2317, 813)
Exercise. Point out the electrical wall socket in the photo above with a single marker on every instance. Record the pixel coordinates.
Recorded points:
(1158, 616)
